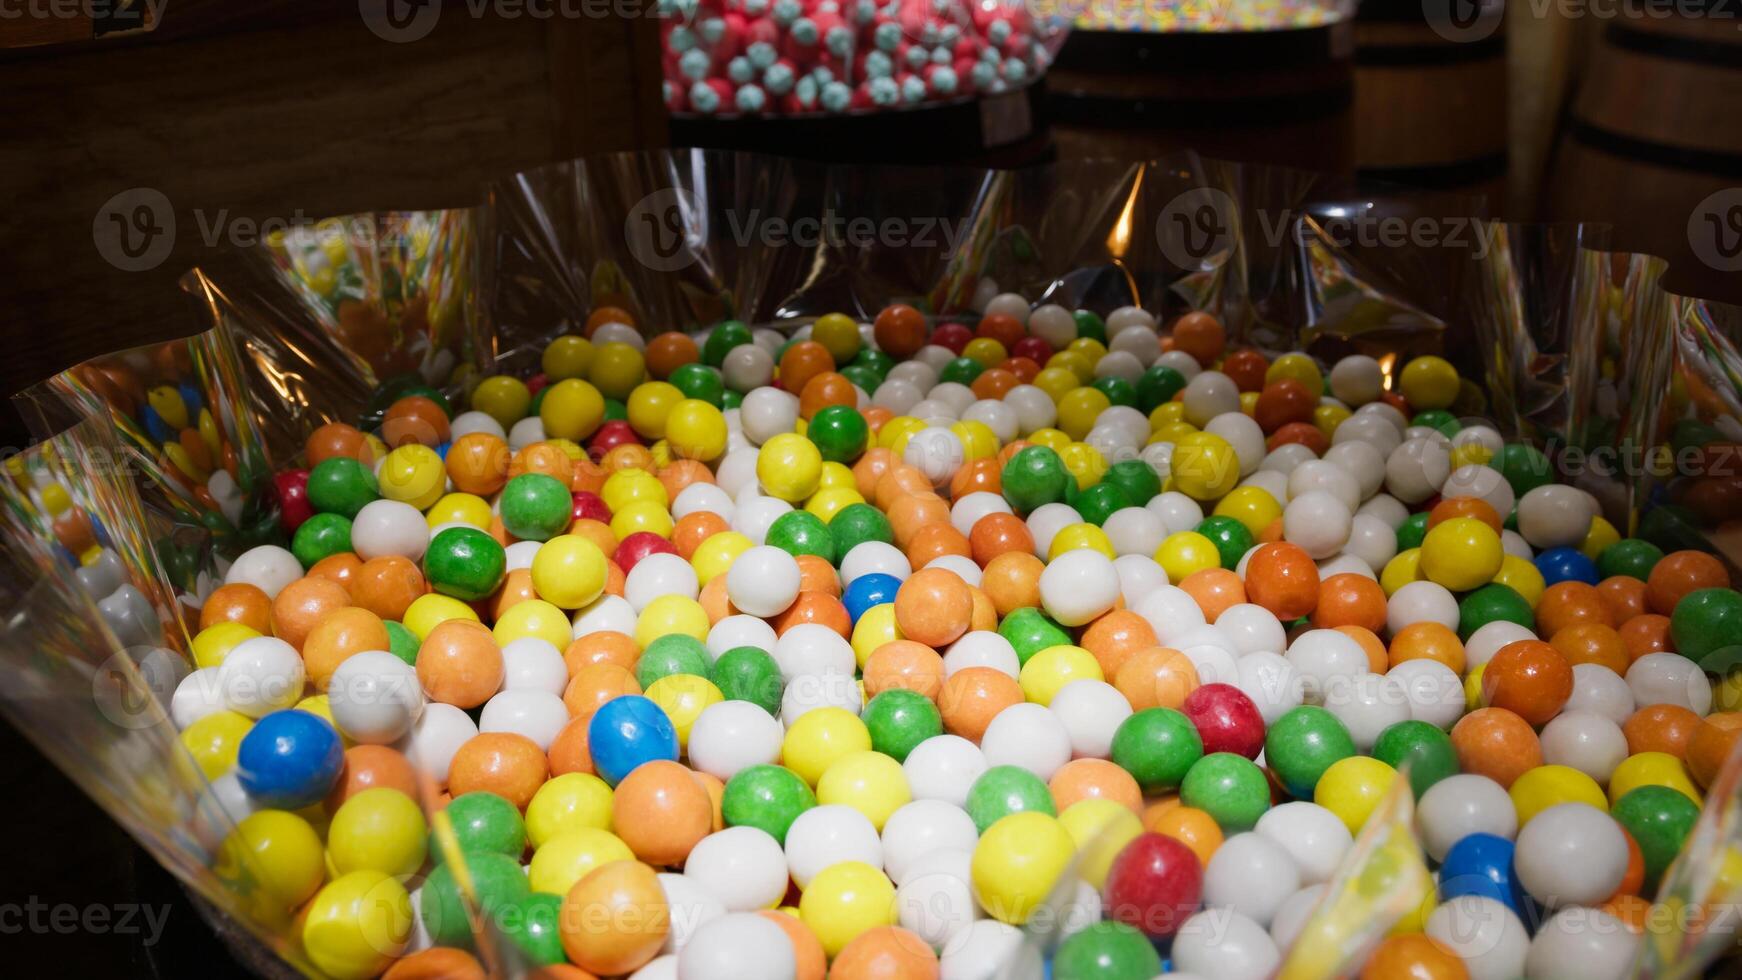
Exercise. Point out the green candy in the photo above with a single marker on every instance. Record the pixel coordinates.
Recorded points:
(1030, 631)
(615, 411)
(874, 360)
(1411, 532)
(1439, 420)
(497, 881)
(732, 399)
(1090, 325)
(532, 926)
(1629, 556)
(1423, 747)
(1158, 747)
(1706, 621)
(1106, 951)
(749, 674)
(1003, 790)
(862, 376)
(900, 719)
(1157, 386)
(840, 433)
(800, 532)
(1230, 537)
(465, 562)
(961, 370)
(536, 507)
(1100, 501)
(1492, 602)
(1136, 478)
(1118, 390)
(673, 653)
(855, 524)
(483, 823)
(1659, 820)
(1302, 744)
(768, 798)
(321, 536)
(1230, 788)
(700, 382)
(725, 336)
(401, 641)
(1523, 466)
(341, 485)
(1035, 476)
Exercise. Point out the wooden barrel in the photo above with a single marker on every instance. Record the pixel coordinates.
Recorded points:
(1651, 141)
(1430, 102)
(1279, 96)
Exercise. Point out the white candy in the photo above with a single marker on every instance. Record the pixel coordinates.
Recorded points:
(827, 835)
(260, 675)
(389, 527)
(267, 566)
(538, 715)
(731, 736)
(743, 867)
(1030, 736)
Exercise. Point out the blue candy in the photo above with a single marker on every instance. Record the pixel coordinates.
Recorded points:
(1566, 565)
(869, 590)
(1481, 864)
(289, 759)
(627, 731)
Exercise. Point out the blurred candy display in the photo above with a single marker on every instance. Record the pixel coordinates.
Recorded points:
(793, 57)
(1187, 15)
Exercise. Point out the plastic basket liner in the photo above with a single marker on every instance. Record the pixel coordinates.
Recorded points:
(1635, 393)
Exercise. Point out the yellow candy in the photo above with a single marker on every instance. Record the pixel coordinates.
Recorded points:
(1079, 409)
(632, 486)
(1166, 412)
(572, 409)
(1049, 670)
(870, 782)
(504, 398)
(214, 740)
(567, 857)
(179, 458)
(1203, 466)
(1185, 552)
(280, 852)
(616, 369)
(212, 644)
(643, 515)
(534, 617)
(1073, 537)
(1084, 462)
(357, 925)
(838, 334)
(1057, 381)
(1546, 786)
(572, 801)
(1052, 439)
(379, 829)
(683, 698)
(1090, 348)
(874, 628)
(569, 571)
(460, 508)
(1471, 453)
(821, 737)
(789, 467)
(1601, 536)
(1172, 432)
(1326, 418)
(1299, 367)
(829, 501)
(845, 900)
(986, 351)
(649, 405)
(1651, 769)
(669, 614)
(426, 612)
(1016, 863)
(1253, 507)
(568, 356)
(1473, 688)
(166, 401)
(895, 432)
(1249, 403)
(696, 430)
(1428, 383)
(1521, 576)
(1352, 787)
(413, 474)
(1461, 553)
(978, 439)
(1100, 828)
(209, 433)
(715, 555)
(1401, 570)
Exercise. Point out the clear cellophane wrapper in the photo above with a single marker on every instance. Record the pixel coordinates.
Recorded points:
(1632, 391)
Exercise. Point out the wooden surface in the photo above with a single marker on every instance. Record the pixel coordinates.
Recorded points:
(312, 117)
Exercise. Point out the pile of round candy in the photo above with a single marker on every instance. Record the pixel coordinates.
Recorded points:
(811, 56)
(753, 656)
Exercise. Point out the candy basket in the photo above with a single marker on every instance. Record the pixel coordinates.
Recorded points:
(1583, 351)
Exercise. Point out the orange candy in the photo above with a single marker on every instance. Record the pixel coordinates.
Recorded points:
(628, 456)
(1633, 878)
(436, 963)
(1012, 581)
(1623, 595)
(870, 469)
(1680, 572)
(999, 534)
(1215, 590)
(1530, 679)
(912, 511)
(301, 605)
(900, 331)
(336, 439)
(1284, 579)
(977, 475)
(692, 529)
(1630, 909)
(1005, 329)
(813, 963)
(715, 602)
(371, 767)
(933, 607)
(597, 532)
(973, 697)
(509, 765)
(387, 585)
(414, 419)
(1190, 826)
(1711, 743)
(885, 953)
(1414, 956)
(680, 473)
(1377, 658)
(810, 607)
(341, 568)
(1350, 600)
(935, 540)
(994, 384)
(1565, 603)
(907, 665)
(543, 457)
(1593, 643)
(1156, 677)
(985, 616)
(601, 647)
(1646, 634)
(897, 482)
(516, 588)
(1496, 743)
(1427, 640)
(593, 685)
(815, 574)
(1200, 335)
(823, 390)
(670, 351)
(1116, 636)
(1094, 779)
(460, 664)
(607, 314)
(1661, 728)
(661, 812)
(477, 462)
(238, 603)
(568, 751)
(342, 633)
(1475, 507)
(614, 920)
(803, 361)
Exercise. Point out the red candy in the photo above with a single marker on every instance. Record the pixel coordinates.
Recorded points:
(1226, 720)
(1154, 885)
